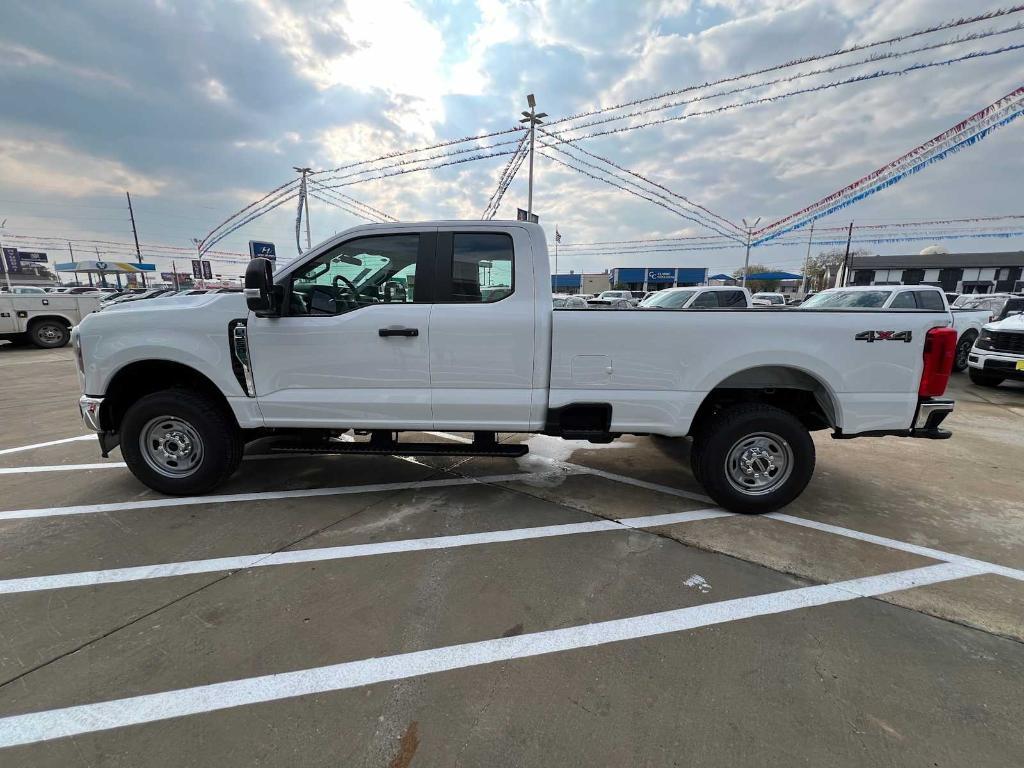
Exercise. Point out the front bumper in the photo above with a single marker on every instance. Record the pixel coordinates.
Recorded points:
(996, 363)
(90, 409)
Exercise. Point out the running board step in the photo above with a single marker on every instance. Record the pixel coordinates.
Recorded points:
(409, 449)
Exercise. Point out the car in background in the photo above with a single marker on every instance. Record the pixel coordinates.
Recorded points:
(709, 297)
(613, 299)
(558, 299)
(999, 305)
(82, 289)
(572, 302)
(24, 290)
(767, 299)
(998, 354)
(878, 297)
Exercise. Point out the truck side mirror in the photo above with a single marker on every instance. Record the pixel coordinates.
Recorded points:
(260, 295)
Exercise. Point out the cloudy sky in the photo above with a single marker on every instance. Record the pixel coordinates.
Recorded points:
(200, 107)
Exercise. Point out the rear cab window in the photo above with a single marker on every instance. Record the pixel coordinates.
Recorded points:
(475, 267)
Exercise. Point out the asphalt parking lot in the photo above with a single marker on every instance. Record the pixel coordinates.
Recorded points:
(583, 605)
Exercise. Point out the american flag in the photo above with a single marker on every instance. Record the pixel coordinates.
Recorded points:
(558, 235)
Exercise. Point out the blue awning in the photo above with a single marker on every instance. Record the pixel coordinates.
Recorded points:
(773, 276)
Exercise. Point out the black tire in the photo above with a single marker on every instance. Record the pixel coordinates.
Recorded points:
(49, 334)
(719, 448)
(212, 429)
(984, 379)
(963, 349)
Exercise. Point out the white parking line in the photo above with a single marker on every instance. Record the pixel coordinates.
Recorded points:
(212, 565)
(61, 468)
(935, 554)
(46, 445)
(184, 501)
(117, 713)
(122, 465)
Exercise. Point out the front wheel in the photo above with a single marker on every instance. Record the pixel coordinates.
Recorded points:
(754, 458)
(984, 379)
(180, 442)
(963, 349)
(49, 334)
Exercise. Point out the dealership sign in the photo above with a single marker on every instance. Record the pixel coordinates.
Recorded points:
(263, 250)
(661, 275)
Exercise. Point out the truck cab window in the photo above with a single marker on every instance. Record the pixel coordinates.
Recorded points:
(356, 274)
(482, 267)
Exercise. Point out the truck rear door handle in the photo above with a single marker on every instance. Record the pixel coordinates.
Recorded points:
(397, 330)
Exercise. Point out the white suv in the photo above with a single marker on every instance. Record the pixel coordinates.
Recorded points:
(998, 354)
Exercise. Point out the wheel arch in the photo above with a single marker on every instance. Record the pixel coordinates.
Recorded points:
(143, 377)
(36, 319)
(788, 387)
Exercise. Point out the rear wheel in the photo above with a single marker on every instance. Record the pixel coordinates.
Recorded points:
(180, 442)
(754, 458)
(984, 379)
(963, 349)
(49, 334)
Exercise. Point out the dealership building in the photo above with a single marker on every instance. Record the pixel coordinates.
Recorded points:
(1002, 271)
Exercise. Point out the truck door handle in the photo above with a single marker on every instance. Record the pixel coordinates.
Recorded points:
(398, 331)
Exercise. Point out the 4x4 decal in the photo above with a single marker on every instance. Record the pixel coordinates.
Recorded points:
(871, 336)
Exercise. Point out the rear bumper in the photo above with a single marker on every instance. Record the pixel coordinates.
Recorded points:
(930, 413)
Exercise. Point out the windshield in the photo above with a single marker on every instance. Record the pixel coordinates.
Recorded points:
(847, 299)
(774, 298)
(668, 299)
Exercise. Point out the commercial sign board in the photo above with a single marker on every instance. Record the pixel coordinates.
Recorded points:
(263, 250)
(35, 257)
(521, 215)
(661, 275)
(207, 270)
(197, 268)
(11, 261)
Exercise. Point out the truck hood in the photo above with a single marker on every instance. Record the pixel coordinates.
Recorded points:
(175, 303)
(1012, 324)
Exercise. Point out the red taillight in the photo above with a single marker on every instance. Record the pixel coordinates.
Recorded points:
(939, 354)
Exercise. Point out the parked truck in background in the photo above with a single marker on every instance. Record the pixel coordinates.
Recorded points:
(43, 319)
(400, 328)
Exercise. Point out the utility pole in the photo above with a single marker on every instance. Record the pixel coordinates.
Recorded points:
(746, 259)
(534, 119)
(3, 258)
(304, 203)
(199, 255)
(807, 261)
(174, 275)
(846, 256)
(135, 234)
(558, 239)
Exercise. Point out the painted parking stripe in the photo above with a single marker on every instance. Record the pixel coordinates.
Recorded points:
(291, 557)
(935, 554)
(117, 713)
(47, 444)
(122, 465)
(184, 501)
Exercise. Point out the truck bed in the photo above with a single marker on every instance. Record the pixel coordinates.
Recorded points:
(658, 366)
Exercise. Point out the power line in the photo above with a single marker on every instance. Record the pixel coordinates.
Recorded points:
(643, 178)
(353, 201)
(670, 206)
(807, 59)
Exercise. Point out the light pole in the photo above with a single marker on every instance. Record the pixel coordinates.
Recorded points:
(746, 259)
(534, 119)
(3, 259)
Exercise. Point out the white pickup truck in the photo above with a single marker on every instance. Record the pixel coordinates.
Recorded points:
(43, 319)
(449, 325)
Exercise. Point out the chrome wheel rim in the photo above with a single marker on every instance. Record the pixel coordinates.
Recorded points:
(759, 463)
(48, 333)
(171, 446)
